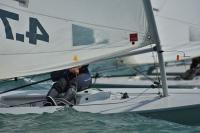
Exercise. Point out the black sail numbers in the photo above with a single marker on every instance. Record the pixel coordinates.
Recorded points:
(31, 34)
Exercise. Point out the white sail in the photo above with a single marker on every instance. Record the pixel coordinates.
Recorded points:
(178, 23)
(61, 34)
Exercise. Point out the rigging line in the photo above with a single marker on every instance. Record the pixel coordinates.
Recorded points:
(20, 87)
(70, 104)
(70, 20)
(150, 79)
(155, 60)
(9, 80)
(147, 77)
(30, 80)
(157, 75)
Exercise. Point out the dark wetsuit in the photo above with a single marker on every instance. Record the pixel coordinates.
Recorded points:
(193, 71)
(195, 63)
(69, 83)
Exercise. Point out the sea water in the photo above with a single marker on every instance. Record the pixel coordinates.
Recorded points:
(71, 121)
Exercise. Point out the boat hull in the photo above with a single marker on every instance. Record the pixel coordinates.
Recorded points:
(181, 106)
(183, 115)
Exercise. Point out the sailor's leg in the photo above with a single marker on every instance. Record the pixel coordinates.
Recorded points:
(195, 62)
(70, 94)
(81, 82)
(53, 92)
(56, 89)
(188, 75)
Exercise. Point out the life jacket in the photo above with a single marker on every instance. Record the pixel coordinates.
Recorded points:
(56, 75)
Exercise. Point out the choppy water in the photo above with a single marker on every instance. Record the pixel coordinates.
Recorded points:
(70, 121)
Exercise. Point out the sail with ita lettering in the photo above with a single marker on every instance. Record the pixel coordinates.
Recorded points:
(39, 39)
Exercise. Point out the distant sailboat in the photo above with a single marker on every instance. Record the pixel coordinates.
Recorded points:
(178, 28)
(50, 35)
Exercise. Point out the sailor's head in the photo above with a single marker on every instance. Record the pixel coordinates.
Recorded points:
(75, 70)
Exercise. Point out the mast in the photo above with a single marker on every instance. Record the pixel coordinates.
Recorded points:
(158, 48)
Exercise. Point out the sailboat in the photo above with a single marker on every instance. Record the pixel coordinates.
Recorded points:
(179, 45)
(178, 29)
(59, 35)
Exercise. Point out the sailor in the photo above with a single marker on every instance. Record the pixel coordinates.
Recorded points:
(69, 82)
(195, 63)
(193, 71)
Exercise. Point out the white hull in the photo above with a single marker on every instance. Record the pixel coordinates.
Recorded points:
(150, 100)
(142, 82)
(139, 101)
